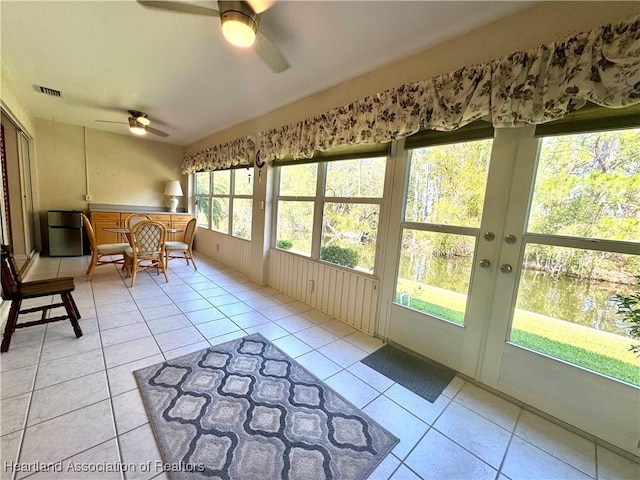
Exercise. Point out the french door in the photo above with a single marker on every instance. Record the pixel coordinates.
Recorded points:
(452, 208)
(507, 263)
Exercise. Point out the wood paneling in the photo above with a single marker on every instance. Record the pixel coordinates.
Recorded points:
(345, 295)
(231, 251)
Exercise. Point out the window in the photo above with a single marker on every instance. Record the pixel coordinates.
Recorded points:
(347, 197)
(224, 201)
(296, 204)
(443, 208)
(581, 249)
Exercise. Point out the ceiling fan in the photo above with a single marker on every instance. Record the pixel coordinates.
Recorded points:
(239, 25)
(139, 124)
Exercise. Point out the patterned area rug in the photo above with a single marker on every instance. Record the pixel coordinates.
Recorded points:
(244, 410)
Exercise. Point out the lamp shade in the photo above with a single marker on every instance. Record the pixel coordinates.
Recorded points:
(173, 188)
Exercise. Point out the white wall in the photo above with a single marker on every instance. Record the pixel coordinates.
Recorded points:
(114, 169)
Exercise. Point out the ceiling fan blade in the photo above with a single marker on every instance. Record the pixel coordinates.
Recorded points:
(180, 7)
(260, 6)
(157, 132)
(270, 54)
(109, 121)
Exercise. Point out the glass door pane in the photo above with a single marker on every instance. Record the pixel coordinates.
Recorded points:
(581, 248)
(443, 212)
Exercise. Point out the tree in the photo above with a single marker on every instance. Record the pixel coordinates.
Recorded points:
(628, 307)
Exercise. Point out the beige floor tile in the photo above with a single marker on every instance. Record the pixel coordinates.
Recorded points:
(436, 457)
(352, 388)
(130, 351)
(526, 461)
(9, 445)
(97, 463)
(66, 435)
(496, 409)
(475, 433)
(17, 381)
(13, 412)
(61, 398)
(418, 406)
(407, 427)
(121, 378)
(129, 411)
(559, 442)
(138, 448)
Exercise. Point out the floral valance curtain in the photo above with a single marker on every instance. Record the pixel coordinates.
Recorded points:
(601, 66)
(227, 155)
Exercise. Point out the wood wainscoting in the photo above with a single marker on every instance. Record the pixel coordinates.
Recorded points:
(345, 295)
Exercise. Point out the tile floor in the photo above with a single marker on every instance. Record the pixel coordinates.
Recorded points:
(76, 401)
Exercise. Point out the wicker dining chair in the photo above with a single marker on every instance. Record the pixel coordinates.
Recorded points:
(134, 218)
(146, 249)
(183, 248)
(102, 254)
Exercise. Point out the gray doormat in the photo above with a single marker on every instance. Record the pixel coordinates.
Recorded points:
(426, 378)
(244, 410)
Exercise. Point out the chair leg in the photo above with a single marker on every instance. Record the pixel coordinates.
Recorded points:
(11, 324)
(133, 269)
(92, 265)
(164, 270)
(127, 266)
(75, 307)
(67, 299)
(193, 260)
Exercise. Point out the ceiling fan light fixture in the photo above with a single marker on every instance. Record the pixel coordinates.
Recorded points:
(136, 127)
(238, 28)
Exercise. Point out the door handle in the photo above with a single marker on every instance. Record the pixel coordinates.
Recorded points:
(506, 268)
(510, 239)
(485, 263)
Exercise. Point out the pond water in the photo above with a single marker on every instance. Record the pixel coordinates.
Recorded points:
(566, 298)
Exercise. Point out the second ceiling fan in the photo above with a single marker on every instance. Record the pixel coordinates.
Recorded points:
(239, 25)
(139, 124)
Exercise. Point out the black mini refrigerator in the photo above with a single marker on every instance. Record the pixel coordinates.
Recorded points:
(65, 233)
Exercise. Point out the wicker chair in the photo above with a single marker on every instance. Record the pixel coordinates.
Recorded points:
(146, 249)
(184, 248)
(99, 253)
(134, 218)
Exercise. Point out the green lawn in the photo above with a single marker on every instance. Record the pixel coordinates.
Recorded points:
(589, 348)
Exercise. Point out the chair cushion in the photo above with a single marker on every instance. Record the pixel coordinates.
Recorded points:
(112, 248)
(176, 246)
(128, 251)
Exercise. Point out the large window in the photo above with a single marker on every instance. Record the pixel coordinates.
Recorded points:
(330, 211)
(443, 208)
(224, 201)
(582, 248)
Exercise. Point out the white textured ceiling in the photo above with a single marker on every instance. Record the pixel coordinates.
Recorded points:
(108, 57)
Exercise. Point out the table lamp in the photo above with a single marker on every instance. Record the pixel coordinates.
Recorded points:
(173, 189)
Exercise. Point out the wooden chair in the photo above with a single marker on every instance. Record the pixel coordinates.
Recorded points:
(99, 253)
(184, 248)
(146, 249)
(134, 218)
(14, 289)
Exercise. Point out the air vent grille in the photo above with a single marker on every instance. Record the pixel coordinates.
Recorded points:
(50, 91)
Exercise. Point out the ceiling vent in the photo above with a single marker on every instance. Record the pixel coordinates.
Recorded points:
(50, 91)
